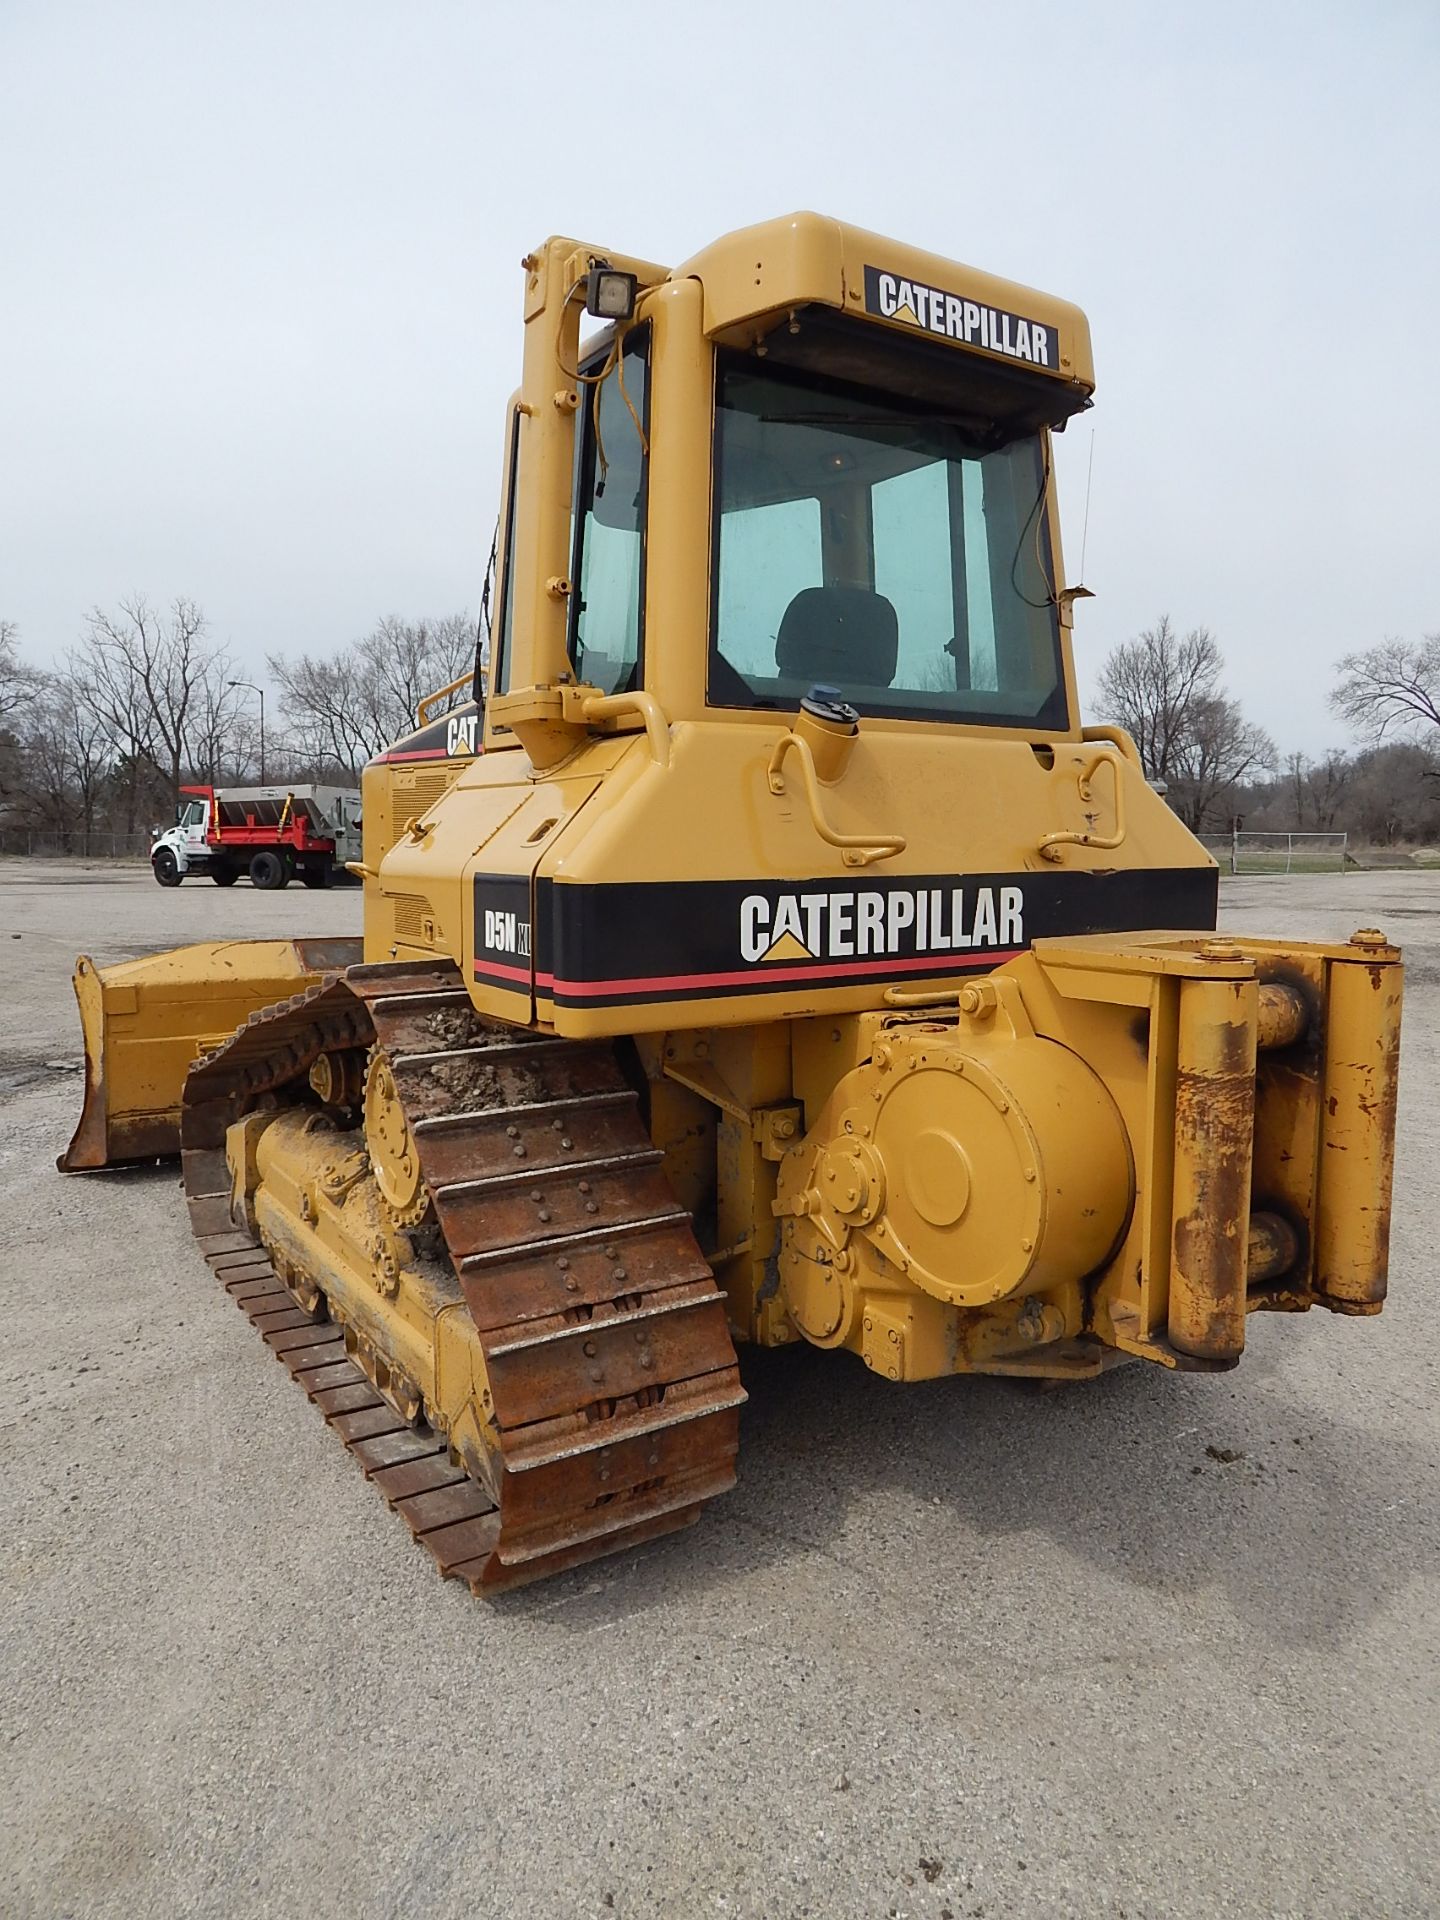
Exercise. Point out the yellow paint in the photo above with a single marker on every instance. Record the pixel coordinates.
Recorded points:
(1016, 1175)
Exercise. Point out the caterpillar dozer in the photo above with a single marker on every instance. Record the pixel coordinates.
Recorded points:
(764, 952)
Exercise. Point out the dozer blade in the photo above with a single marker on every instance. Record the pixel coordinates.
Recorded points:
(144, 1021)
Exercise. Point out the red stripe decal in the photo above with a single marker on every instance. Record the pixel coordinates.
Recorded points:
(521, 975)
(757, 976)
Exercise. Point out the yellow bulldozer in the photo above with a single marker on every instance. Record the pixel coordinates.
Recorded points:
(765, 952)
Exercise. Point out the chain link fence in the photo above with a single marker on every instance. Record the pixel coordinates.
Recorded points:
(49, 843)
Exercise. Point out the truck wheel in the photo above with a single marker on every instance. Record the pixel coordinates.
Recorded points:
(317, 874)
(224, 876)
(167, 867)
(268, 870)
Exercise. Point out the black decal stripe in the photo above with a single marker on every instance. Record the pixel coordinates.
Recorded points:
(664, 941)
(506, 897)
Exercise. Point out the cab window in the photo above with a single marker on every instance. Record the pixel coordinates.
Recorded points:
(607, 609)
(500, 666)
(873, 545)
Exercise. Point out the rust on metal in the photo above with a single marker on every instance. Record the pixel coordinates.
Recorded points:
(1282, 1016)
(1214, 1131)
(1274, 1248)
(1361, 1081)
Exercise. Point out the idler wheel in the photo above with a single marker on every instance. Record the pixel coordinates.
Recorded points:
(394, 1157)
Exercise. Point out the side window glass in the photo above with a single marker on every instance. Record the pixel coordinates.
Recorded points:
(607, 613)
(501, 670)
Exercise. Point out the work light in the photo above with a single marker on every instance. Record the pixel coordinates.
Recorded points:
(610, 295)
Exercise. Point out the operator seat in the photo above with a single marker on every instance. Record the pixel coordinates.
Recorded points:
(840, 636)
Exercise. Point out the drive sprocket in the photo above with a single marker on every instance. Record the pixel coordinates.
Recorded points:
(394, 1159)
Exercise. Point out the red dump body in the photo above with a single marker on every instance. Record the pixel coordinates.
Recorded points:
(262, 818)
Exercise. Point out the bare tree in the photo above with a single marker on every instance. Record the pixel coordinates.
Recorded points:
(68, 760)
(1318, 789)
(15, 677)
(220, 733)
(157, 673)
(1391, 689)
(1152, 687)
(1164, 689)
(1395, 794)
(117, 700)
(1223, 750)
(18, 684)
(157, 683)
(345, 707)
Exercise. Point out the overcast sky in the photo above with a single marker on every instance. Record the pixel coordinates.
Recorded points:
(260, 297)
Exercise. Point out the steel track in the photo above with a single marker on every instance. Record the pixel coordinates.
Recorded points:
(613, 1378)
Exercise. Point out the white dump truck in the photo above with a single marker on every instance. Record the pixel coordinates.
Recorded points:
(275, 834)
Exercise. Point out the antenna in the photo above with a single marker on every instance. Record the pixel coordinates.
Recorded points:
(1089, 476)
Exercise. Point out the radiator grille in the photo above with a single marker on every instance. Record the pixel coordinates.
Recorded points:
(411, 909)
(416, 793)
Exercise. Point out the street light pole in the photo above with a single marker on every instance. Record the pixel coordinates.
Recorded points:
(261, 691)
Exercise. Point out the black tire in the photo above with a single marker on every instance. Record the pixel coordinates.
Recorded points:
(224, 876)
(316, 873)
(268, 870)
(167, 867)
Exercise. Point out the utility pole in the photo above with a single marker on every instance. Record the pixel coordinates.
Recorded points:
(261, 691)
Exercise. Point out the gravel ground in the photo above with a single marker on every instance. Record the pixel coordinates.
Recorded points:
(948, 1650)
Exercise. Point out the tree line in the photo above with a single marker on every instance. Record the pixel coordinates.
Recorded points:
(1219, 769)
(149, 700)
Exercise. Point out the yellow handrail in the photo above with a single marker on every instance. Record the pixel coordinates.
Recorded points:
(422, 712)
(608, 706)
(1051, 843)
(1117, 737)
(856, 849)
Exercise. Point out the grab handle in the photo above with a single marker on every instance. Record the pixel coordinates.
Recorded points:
(1051, 843)
(856, 849)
